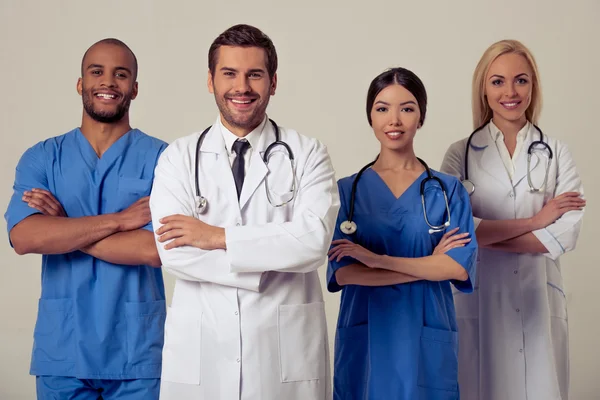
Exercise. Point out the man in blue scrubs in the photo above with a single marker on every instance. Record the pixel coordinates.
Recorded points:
(81, 200)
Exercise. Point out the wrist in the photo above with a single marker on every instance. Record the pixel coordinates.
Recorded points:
(380, 261)
(220, 241)
(533, 223)
(115, 222)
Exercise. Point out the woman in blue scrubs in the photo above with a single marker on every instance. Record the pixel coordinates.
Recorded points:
(396, 334)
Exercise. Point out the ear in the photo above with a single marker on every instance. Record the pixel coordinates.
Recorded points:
(273, 84)
(209, 83)
(134, 92)
(80, 86)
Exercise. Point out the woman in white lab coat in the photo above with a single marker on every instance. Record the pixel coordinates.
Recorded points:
(513, 328)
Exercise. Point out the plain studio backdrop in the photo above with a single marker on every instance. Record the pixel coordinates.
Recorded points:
(328, 54)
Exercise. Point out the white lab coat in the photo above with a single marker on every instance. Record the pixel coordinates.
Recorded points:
(513, 328)
(248, 322)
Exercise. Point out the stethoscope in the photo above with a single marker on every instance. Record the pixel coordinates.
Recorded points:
(470, 186)
(349, 227)
(202, 202)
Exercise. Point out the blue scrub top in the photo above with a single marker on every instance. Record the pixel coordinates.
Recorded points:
(96, 320)
(400, 341)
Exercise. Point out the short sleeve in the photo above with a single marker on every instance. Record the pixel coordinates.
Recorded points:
(163, 145)
(333, 266)
(30, 173)
(461, 216)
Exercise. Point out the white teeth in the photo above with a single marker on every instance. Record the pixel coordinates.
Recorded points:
(394, 134)
(510, 104)
(106, 96)
(241, 102)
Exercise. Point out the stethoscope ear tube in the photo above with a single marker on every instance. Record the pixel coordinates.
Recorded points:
(470, 186)
(349, 227)
(201, 202)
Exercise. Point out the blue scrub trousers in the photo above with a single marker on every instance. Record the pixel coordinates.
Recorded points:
(67, 388)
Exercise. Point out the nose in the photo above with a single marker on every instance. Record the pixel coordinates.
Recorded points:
(242, 84)
(108, 80)
(395, 119)
(511, 89)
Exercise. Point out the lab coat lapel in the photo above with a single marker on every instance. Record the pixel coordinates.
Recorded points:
(258, 169)
(487, 158)
(220, 173)
(521, 163)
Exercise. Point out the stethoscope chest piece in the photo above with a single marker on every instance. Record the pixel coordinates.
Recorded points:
(201, 204)
(469, 186)
(348, 227)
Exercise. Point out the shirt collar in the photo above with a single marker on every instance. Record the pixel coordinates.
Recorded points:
(496, 133)
(229, 137)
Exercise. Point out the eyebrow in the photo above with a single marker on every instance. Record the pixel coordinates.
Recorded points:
(402, 104)
(253, 70)
(102, 66)
(518, 76)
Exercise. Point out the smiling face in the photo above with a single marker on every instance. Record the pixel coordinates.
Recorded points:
(108, 84)
(242, 87)
(395, 117)
(508, 88)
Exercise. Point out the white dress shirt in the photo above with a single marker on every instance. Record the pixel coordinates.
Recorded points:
(230, 138)
(498, 138)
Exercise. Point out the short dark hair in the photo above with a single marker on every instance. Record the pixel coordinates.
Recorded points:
(398, 76)
(244, 36)
(115, 42)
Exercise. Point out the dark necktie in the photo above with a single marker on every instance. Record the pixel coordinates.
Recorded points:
(239, 148)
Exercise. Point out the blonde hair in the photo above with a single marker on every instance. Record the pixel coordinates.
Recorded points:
(482, 113)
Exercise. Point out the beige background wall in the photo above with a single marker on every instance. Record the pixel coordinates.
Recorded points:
(328, 53)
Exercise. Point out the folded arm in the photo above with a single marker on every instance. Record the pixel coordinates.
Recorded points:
(359, 274)
(136, 247)
(43, 234)
(173, 195)
(552, 231)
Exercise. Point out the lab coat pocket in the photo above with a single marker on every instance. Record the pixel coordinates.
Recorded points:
(181, 361)
(54, 331)
(302, 341)
(351, 368)
(557, 301)
(438, 363)
(145, 322)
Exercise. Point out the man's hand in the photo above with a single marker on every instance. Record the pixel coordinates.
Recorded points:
(43, 201)
(135, 216)
(189, 231)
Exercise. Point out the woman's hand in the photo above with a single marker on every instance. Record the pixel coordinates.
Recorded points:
(345, 248)
(451, 240)
(556, 207)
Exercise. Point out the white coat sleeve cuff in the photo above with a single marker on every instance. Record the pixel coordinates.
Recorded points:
(553, 246)
(235, 252)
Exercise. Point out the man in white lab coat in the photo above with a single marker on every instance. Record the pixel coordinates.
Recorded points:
(247, 320)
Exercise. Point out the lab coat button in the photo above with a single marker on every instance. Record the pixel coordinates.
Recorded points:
(520, 350)
(236, 313)
(238, 360)
(511, 194)
(238, 224)
(516, 272)
(518, 310)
